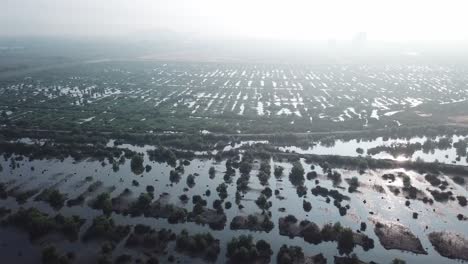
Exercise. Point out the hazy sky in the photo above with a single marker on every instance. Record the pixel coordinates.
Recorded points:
(389, 20)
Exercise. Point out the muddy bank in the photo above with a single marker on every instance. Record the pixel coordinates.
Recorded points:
(450, 245)
(311, 233)
(396, 236)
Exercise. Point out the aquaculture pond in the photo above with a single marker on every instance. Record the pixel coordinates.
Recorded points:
(372, 202)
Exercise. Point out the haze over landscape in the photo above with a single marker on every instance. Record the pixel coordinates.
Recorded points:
(212, 131)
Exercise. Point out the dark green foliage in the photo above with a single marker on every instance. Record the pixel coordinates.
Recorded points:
(290, 254)
(462, 200)
(459, 180)
(141, 205)
(190, 180)
(102, 202)
(212, 172)
(267, 192)
(262, 202)
(203, 245)
(136, 164)
(346, 241)
(52, 197)
(245, 167)
(307, 206)
(311, 175)
(103, 227)
(222, 191)
(297, 174)
(335, 177)
(353, 184)
(163, 155)
(174, 176)
(278, 171)
(51, 256)
(242, 249)
(38, 224)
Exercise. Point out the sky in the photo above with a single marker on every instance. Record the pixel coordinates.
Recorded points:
(381, 20)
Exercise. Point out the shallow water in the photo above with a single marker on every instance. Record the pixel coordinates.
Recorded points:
(348, 148)
(71, 177)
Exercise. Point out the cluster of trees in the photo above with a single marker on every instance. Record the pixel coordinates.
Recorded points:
(147, 237)
(353, 184)
(264, 172)
(136, 164)
(103, 227)
(460, 147)
(296, 176)
(62, 151)
(278, 171)
(294, 254)
(142, 204)
(408, 188)
(311, 233)
(50, 255)
(243, 249)
(38, 224)
(262, 202)
(336, 195)
(53, 197)
(102, 202)
(222, 191)
(163, 155)
(203, 245)
(253, 222)
(335, 177)
(397, 149)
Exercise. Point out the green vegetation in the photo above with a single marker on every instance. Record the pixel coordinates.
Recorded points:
(278, 171)
(52, 197)
(297, 174)
(353, 184)
(137, 164)
(51, 256)
(243, 249)
(202, 245)
(103, 227)
(141, 205)
(102, 202)
(38, 224)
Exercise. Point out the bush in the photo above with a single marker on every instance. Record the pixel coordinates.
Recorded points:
(297, 174)
(222, 191)
(245, 167)
(190, 180)
(278, 171)
(102, 202)
(290, 254)
(262, 202)
(241, 249)
(136, 164)
(346, 241)
(52, 197)
(104, 228)
(311, 175)
(212, 172)
(50, 256)
(353, 184)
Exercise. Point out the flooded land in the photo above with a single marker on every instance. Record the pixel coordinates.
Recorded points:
(154, 162)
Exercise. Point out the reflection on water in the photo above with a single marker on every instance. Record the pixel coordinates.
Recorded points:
(71, 179)
(348, 148)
